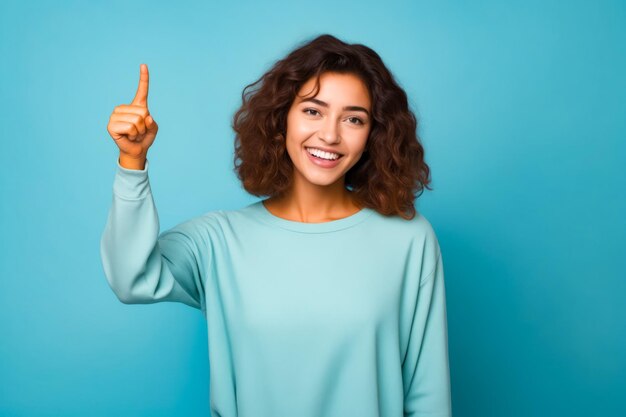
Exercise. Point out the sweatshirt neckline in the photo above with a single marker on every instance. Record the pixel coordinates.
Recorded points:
(323, 227)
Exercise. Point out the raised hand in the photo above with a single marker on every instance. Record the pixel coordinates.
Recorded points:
(132, 127)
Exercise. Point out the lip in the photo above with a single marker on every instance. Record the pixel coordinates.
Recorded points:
(325, 149)
(321, 162)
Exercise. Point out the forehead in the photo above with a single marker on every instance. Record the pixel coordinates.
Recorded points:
(337, 88)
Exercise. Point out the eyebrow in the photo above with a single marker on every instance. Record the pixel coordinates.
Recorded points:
(324, 104)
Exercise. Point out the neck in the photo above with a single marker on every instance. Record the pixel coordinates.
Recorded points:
(310, 203)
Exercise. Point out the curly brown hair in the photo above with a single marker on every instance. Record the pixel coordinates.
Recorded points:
(391, 170)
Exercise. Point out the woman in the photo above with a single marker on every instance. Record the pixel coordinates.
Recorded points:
(327, 298)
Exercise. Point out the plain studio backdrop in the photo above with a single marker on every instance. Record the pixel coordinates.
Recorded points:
(521, 109)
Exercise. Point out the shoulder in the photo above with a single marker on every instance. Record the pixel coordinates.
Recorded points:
(225, 224)
(197, 228)
(415, 237)
(219, 225)
(417, 228)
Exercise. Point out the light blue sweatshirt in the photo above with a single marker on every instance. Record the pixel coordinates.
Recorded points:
(336, 319)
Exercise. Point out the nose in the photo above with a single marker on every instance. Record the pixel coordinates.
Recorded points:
(329, 132)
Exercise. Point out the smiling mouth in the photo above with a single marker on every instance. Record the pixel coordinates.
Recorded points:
(322, 155)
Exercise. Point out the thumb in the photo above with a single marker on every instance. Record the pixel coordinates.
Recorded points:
(150, 123)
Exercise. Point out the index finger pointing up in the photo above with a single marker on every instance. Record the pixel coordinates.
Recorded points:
(141, 96)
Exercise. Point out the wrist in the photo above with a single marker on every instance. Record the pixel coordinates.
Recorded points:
(133, 162)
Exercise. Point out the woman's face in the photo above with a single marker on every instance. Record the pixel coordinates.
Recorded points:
(336, 120)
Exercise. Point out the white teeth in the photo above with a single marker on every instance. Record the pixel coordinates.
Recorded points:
(322, 154)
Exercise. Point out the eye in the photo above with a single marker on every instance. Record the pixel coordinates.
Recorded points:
(357, 120)
(311, 110)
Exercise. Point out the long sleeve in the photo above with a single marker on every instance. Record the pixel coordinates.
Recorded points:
(427, 368)
(140, 265)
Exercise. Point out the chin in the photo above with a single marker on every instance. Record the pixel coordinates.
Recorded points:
(323, 182)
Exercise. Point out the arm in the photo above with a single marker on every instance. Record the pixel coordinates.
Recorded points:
(426, 372)
(140, 265)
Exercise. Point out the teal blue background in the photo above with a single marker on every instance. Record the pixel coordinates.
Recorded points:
(522, 109)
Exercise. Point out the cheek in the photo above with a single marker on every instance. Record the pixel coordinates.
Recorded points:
(294, 141)
(360, 143)
(297, 127)
(300, 130)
